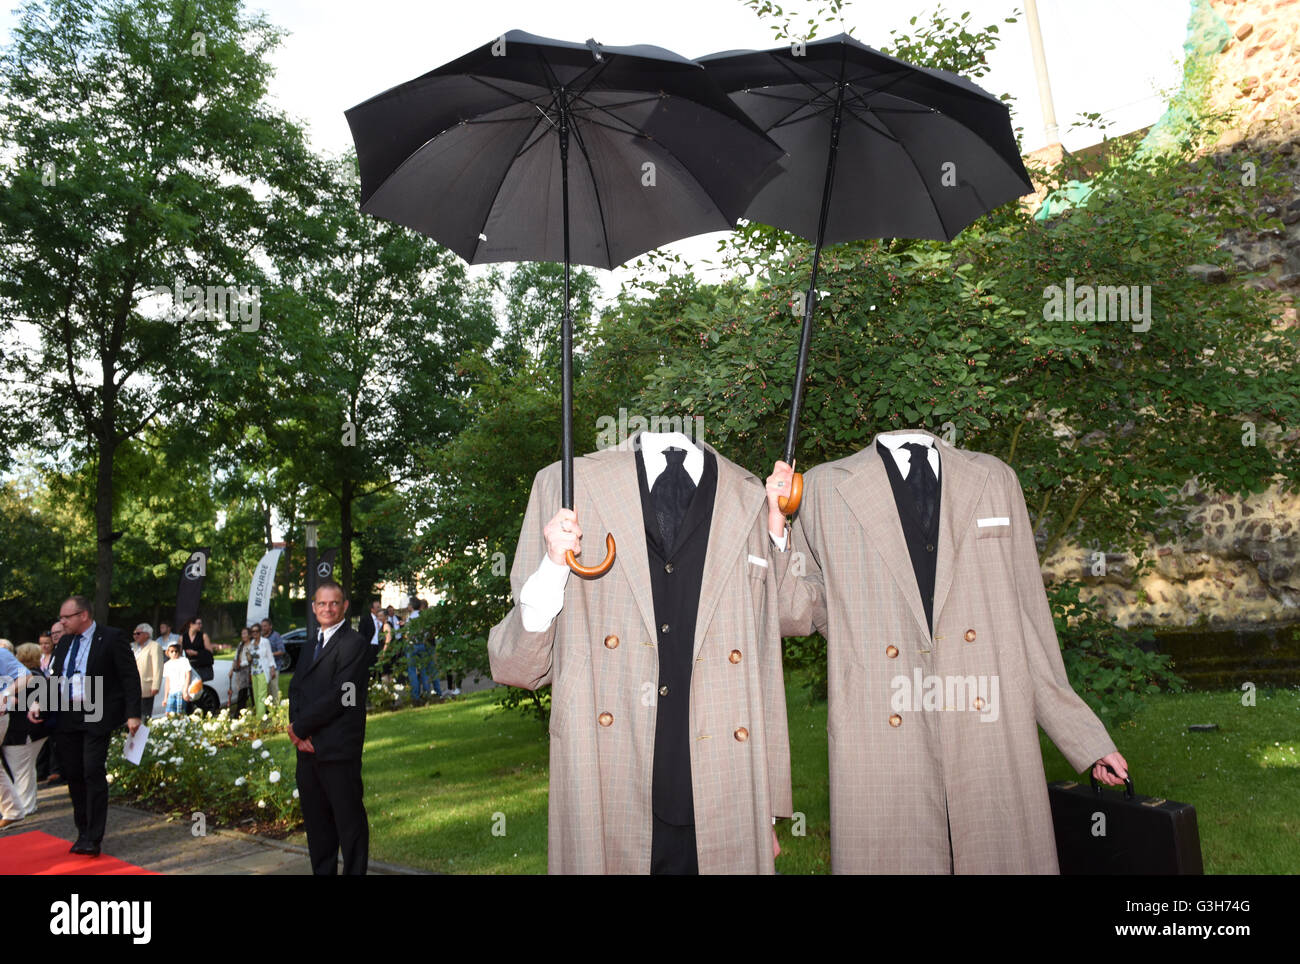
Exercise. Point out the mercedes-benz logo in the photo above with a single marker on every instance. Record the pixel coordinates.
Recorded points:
(325, 570)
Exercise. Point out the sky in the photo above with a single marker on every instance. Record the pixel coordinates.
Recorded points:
(1119, 58)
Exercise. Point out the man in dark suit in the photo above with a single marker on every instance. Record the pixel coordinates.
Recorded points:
(327, 723)
(371, 627)
(99, 689)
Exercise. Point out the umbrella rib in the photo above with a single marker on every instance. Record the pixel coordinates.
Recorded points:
(519, 98)
(589, 107)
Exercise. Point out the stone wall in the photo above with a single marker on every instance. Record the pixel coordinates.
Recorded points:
(1240, 562)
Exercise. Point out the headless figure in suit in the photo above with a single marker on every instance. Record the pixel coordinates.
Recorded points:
(677, 481)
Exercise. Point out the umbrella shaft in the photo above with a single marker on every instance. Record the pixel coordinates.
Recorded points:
(810, 302)
(566, 326)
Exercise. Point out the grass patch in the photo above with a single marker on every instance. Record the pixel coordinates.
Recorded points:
(437, 776)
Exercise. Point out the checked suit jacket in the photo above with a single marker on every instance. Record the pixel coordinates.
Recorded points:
(908, 769)
(600, 657)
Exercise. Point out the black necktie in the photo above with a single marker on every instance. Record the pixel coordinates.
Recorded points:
(921, 480)
(671, 495)
(320, 643)
(70, 664)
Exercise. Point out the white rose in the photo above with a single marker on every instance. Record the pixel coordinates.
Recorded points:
(275, 776)
(261, 804)
(295, 793)
(239, 781)
(266, 754)
(257, 744)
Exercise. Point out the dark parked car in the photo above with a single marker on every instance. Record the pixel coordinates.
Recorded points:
(293, 641)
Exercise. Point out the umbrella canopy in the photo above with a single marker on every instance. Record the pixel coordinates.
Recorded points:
(878, 148)
(470, 153)
(532, 149)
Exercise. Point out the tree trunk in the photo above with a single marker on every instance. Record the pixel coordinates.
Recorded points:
(104, 523)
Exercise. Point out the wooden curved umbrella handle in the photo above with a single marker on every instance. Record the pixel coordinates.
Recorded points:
(597, 570)
(789, 504)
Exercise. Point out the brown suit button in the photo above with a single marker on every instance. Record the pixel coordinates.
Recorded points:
(663, 691)
(611, 641)
(979, 703)
(895, 720)
(970, 636)
(891, 651)
(668, 567)
(605, 719)
(735, 656)
(742, 734)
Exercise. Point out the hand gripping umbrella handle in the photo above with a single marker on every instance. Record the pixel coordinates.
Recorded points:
(593, 571)
(789, 504)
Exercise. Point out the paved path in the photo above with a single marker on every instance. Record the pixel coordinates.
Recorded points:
(167, 846)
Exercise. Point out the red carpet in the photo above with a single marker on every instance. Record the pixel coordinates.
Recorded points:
(36, 852)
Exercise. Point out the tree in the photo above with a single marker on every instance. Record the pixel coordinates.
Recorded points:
(369, 367)
(141, 155)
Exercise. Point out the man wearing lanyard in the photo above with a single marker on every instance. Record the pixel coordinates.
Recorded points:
(99, 686)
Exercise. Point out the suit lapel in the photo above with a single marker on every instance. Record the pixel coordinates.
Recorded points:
(963, 481)
(612, 486)
(735, 507)
(871, 500)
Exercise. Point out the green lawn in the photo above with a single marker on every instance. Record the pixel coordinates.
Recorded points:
(439, 778)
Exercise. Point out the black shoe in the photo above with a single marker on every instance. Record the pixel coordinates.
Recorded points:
(85, 847)
(78, 847)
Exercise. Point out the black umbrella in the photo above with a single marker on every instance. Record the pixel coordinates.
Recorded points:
(919, 153)
(476, 154)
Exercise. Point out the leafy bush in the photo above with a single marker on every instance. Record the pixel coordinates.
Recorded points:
(231, 769)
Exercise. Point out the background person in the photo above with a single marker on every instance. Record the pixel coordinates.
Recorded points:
(176, 676)
(277, 645)
(13, 679)
(265, 675)
(198, 649)
(25, 740)
(165, 635)
(239, 687)
(149, 660)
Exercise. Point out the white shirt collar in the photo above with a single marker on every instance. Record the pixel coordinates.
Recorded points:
(652, 453)
(329, 633)
(903, 457)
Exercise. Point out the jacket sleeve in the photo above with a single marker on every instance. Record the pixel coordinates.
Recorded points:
(352, 667)
(1060, 711)
(800, 587)
(519, 657)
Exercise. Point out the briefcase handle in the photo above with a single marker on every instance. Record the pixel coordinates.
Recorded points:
(1128, 783)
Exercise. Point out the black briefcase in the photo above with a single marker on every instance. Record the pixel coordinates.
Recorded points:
(1108, 832)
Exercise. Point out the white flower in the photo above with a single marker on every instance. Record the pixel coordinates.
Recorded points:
(266, 754)
(261, 804)
(178, 760)
(257, 744)
(295, 793)
(275, 776)
(109, 777)
(239, 781)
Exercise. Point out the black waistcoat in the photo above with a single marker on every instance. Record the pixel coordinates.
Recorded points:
(922, 546)
(676, 574)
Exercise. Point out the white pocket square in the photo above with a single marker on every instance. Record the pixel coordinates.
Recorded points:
(757, 561)
(993, 520)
